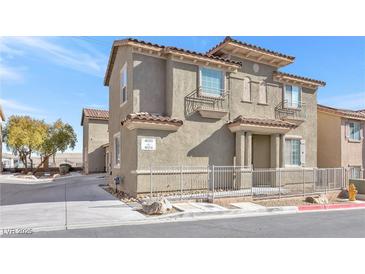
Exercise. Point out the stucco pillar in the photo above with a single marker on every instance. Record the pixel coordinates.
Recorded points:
(282, 150)
(248, 149)
(240, 148)
(275, 150)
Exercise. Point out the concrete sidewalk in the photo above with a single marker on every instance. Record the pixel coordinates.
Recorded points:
(65, 203)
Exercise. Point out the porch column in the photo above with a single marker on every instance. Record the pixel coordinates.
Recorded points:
(275, 150)
(248, 150)
(282, 150)
(240, 148)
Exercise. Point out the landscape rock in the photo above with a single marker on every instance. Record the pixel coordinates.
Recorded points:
(160, 206)
(344, 194)
(322, 199)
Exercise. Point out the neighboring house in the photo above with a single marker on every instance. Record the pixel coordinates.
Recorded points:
(229, 106)
(95, 137)
(74, 159)
(2, 118)
(341, 139)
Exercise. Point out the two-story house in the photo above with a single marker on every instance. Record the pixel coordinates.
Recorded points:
(341, 139)
(229, 106)
(95, 152)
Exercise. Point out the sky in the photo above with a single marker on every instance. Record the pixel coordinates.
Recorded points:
(55, 77)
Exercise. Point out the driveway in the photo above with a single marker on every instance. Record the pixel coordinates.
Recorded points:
(64, 203)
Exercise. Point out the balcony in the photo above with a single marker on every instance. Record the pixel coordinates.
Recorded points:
(207, 104)
(291, 112)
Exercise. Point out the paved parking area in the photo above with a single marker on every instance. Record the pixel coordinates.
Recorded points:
(70, 202)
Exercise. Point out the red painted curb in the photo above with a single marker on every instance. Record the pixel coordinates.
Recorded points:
(330, 206)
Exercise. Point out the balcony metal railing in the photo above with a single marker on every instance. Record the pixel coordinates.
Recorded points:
(207, 100)
(291, 110)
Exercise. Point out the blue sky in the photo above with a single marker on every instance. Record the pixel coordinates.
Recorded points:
(55, 77)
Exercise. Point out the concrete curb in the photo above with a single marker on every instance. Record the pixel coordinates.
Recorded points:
(330, 207)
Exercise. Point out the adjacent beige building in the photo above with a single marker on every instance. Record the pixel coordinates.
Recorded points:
(2, 118)
(95, 140)
(229, 106)
(341, 139)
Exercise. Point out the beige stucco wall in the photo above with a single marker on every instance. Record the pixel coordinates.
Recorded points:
(334, 149)
(329, 140)
(352, 151)
(160, 86)
(95, 136)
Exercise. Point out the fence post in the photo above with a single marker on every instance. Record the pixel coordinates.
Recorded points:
(181, 182)
(303, 182)
(150, 181)
(279, 183)
(212, 183)
(325, 188)
(314, 180)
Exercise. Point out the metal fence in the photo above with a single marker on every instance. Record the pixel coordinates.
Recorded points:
(210, 182)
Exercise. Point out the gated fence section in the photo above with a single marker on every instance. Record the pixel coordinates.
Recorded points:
(209, 182)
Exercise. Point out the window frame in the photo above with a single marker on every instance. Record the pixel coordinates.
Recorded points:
(291, 163)
(201, 88)
(286, 102)
(123, 92)
(359, 131)
(116, 136)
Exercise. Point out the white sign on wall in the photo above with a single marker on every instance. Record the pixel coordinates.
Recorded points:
(148, 144)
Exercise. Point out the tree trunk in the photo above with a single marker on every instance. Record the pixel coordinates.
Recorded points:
(45, 158)
(31, 160)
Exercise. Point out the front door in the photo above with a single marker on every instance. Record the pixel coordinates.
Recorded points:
(260, 151)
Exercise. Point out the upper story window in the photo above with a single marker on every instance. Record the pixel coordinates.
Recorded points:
(212, 81)
(262, 93)
(246, 93)
(292, 96)
(354, 131)
(123, 84)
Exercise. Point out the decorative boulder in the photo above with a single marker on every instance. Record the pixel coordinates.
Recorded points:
(156, 207)
(322, 199)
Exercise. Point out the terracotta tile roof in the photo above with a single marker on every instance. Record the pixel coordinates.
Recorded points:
(97, 114)
(164, 49)
(230, 39)
(262, 122)
(151, 118)
(284, 74)
(346, 113)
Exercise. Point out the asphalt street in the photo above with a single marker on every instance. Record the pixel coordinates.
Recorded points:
(332, 224)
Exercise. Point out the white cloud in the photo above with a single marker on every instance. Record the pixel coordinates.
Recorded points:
(87, 61)
(352, 101)
(9, 73)
(14, 106)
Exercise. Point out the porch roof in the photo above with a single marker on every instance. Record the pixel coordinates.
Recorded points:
(145, 120)
(260, 125)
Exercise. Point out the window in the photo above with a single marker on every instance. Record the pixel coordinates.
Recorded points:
(116, 149)
(354, 131)
(123, 84)
(212, 82)
(246, 94)
(292, 152)
(262, 93)
(292, 96)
